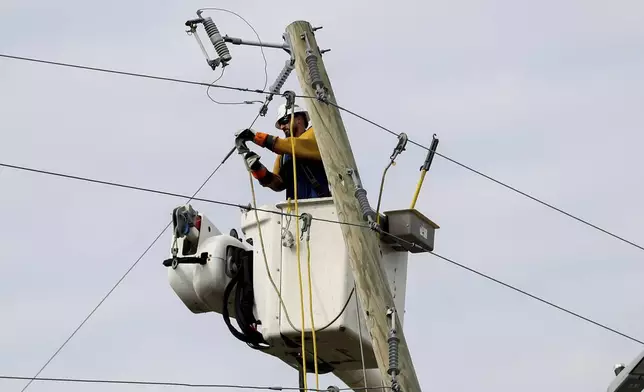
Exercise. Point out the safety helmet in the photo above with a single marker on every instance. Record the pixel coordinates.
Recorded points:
(281, 112)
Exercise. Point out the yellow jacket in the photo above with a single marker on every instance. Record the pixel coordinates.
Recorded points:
(306, 147)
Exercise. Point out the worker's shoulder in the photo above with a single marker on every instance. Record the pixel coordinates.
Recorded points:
(308, 133)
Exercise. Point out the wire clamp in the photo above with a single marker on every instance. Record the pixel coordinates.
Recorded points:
(306, 225)
(400, 147)
(290, 98)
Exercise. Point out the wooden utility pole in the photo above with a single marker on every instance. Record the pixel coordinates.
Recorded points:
(362, 244)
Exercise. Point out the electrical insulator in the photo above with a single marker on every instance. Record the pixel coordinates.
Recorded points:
(217, 41)
(215, 37)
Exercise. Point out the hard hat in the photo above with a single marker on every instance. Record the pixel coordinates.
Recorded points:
(281, 112)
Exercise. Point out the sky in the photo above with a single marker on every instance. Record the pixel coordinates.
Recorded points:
(546, 96)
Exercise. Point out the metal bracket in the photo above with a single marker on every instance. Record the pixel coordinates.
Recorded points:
(175, 261)
(430, 154)
(239, 41)
(356, 179)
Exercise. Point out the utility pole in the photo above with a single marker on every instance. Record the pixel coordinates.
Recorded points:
(362, 244)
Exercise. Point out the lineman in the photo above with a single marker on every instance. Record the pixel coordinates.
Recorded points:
(312, 181)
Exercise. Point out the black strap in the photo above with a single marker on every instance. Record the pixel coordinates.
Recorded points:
(309, 176)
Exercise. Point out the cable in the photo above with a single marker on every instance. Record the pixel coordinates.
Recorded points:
(172, 384)
(226, 103)
(538, 298)
(640, 247)
(348, 111)
(117, 283)
(400, 240)
(313, 331)
(247, 207)
(139, 75)
(358, 316)
(297, 250)
(164, 193)
(223, 69)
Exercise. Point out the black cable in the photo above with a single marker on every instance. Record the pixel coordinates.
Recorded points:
(174, 384)
(538, 299)
(350, 112)
(640, 247)
(117, 283)
(140, 75)
(412, 245)
(249, 208)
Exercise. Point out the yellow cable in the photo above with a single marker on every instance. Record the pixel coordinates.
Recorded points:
(297, 250)
(277, 291)
(315, 348)
(420, 184)
(261, 241)
(382, 186)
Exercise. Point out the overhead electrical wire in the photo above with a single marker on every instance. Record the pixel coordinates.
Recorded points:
(118, 282)
(640, 247)
(176, 384)
(356, 115)
(134, 74)
(258, 91)
(248, 207)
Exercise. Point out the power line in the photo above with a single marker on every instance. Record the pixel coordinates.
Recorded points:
(481, 274)
(640, 247)
(117, 283)
(400, 240)
(354, 114)
(174, 384)
(516, 190)
(538, 298)
(139, 75)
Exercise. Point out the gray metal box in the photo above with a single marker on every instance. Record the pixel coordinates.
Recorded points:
(412, 226)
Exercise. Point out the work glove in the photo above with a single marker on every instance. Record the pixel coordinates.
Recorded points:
(252, 160)
(260, 138)
(247, 135)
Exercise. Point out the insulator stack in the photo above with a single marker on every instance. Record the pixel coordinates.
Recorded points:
(314, 71)
(217, 40)
(282, 77)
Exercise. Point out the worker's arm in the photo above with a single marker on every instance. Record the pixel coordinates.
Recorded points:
(306, 146)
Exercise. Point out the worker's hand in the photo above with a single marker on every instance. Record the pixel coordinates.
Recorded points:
(246, 135)
(260, 138)
(252, 160)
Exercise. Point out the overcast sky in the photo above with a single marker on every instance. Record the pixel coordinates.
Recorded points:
(546, 96)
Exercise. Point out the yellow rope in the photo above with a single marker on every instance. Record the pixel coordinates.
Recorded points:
(268, 272)
(420, 184)
(299, 262)
(315, 348)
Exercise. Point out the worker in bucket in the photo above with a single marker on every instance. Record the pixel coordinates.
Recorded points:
(312, 181)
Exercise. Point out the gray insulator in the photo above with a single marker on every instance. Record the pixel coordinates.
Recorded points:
(393, 353)
(367, 212)
(282, 77)
(217, 40)
(314, 71)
